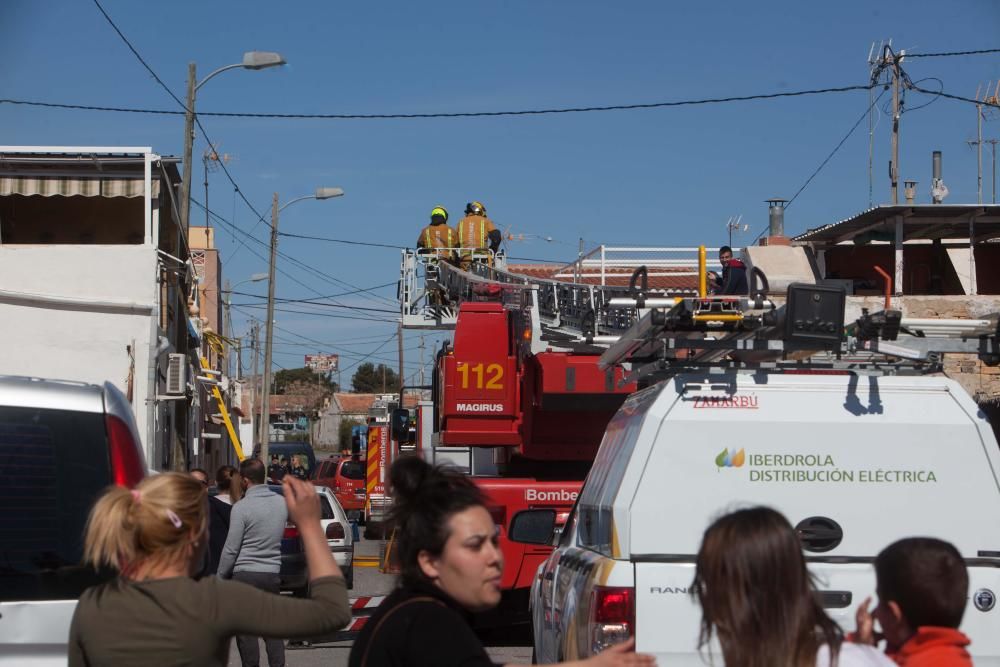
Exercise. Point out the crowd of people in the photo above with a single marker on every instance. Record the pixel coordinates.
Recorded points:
(194, 571)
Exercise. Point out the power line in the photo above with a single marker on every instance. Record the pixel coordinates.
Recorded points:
(315, 313)
(314, 302)
(331, 240)
(264, 245)
(959, 98)
(454, 114)
(835, 149)
(951, 53)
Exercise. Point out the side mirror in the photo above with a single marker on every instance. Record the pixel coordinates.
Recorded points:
(532, 526)
(400, 424)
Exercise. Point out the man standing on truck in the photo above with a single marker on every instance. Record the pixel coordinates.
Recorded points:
(438, 234)
(476, 232)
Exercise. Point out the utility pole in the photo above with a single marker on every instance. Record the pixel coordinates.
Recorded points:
(269, 336)
(402, 378)
(227, 323)
(255, 344)
(979, 148)
(894, 166)
(421, 360)
(188, 147)
(993, 147)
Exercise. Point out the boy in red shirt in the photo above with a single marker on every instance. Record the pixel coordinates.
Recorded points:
(922, 587)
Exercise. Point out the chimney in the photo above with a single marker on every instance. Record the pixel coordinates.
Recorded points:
(938, 189)
(776, 216)
(910, 190)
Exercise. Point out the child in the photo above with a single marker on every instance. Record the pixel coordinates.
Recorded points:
(922, 587)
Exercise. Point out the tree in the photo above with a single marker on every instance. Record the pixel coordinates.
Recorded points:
(283, 379)
(369, 379)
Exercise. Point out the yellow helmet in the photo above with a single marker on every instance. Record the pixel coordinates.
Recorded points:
(439, 210)
(475, 208)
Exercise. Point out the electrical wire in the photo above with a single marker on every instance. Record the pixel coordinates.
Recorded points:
(332, 240)
(958, 98)
(951, 53)
(315, 313)
(454, 114)
(266, 246)
(314, 302)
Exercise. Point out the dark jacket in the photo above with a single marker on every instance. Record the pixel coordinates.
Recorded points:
(418, 626)
(734, 278)
(218, 528)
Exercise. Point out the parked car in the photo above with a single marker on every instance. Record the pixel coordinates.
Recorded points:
(346, 476)
(855, 463)
(294, 573)
(296, 452)
(61, 444)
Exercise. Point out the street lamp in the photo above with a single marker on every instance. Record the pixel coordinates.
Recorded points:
(252, 60)
(264, 435)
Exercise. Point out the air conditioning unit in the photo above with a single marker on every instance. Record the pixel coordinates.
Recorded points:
(177, 375)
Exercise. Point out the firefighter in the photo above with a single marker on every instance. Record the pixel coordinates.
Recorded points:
(476, 232)
(438, 234)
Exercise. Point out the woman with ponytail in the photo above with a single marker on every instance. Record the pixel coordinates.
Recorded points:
(451, 566)
(155, 613)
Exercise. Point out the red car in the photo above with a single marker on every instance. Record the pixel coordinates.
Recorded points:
(346, 476)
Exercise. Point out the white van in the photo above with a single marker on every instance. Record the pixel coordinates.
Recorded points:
(854, 462)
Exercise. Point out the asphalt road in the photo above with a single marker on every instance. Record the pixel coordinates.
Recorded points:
(367, 581)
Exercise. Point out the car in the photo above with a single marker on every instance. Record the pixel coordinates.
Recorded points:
(61, 444)
(294, 574)
(854, 462)
(346, 476)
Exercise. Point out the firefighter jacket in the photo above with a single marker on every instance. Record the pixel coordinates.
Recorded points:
(475, 231)
(437, 236)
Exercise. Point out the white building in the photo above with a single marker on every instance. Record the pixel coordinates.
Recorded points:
(95, 279)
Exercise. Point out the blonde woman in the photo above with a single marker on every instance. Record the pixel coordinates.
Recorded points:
(155, 613)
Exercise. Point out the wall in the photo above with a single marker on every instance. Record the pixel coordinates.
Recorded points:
(80, 342)
(981, 381)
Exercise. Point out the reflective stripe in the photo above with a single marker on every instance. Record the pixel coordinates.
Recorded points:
(482, 233)
(427, 238)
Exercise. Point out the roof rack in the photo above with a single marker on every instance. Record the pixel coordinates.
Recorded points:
(807, 333)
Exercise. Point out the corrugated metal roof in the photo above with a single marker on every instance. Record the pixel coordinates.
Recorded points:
(920, 221)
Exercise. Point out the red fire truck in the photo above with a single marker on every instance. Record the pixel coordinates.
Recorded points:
(518, 398)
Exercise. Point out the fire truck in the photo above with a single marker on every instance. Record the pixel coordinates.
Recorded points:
(518, 399)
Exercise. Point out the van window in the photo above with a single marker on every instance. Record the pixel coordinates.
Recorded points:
(353, 470)
(54, 464)
(604, 480)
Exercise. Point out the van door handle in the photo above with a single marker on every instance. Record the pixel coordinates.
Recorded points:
(835, 599)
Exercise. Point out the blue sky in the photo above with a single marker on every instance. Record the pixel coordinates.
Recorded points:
(651, 177)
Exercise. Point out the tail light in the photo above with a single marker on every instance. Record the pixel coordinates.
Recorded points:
(612, 616)
(126, 461)
(334, 531)
(291, 532)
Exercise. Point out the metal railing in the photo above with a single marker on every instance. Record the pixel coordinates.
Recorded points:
(605, 263)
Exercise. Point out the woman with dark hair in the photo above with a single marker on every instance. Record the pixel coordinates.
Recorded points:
(759, 599)
(451, 567)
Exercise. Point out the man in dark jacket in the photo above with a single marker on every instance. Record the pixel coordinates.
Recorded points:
(734, 275)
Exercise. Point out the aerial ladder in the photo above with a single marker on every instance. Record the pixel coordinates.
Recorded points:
(518, 398)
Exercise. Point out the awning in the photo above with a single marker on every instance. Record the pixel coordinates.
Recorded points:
(65, 186)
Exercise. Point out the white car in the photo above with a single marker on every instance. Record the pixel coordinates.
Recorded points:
(294, 573)
(61, 443)
(338, 534)
(855, 463)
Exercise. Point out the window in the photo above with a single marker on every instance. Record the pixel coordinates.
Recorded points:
(326, 508)
(54, 464)
(353, 470)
